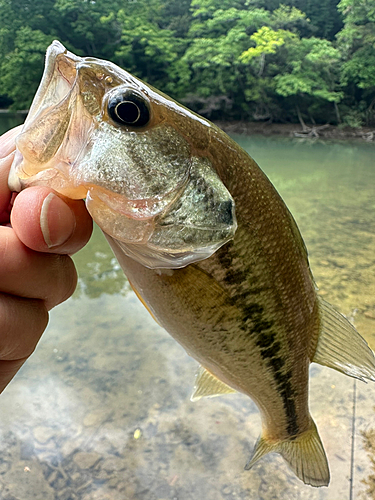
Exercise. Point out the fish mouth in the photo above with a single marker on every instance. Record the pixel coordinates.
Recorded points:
(57, 81)
(45, 129)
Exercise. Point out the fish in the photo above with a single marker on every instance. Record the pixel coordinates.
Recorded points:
(206, 242)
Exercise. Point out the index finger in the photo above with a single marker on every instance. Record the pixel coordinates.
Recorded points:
(7, 141)
(5, 194)
(7, 148)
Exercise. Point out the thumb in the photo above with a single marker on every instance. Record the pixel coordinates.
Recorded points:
(48, 222)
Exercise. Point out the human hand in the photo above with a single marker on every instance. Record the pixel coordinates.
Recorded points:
(38, 232)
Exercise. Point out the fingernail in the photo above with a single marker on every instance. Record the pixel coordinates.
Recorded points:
(57, 221)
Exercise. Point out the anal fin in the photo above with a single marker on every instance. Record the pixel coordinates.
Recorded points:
(207, 385)
(341, 347)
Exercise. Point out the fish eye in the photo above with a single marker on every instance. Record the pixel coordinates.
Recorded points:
(129, 109)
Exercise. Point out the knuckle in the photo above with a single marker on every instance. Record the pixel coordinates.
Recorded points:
(63, 280)
(22, 323)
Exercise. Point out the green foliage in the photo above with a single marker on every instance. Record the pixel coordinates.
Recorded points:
(323, 14)
(247, 59)
(266, 42)
(292, 19)
(23, 67)
(357, 42)
(88, 26)
(207, 8)
(312, 69)
(213, 56)
(149, 51)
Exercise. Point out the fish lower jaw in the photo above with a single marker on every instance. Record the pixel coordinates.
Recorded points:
(21, 177)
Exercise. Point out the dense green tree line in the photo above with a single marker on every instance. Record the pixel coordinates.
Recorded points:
(227, 59)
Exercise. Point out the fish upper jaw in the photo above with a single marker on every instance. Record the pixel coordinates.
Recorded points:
(58, 78)
(56, 114)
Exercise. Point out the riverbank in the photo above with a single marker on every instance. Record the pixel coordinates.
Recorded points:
(296, 130)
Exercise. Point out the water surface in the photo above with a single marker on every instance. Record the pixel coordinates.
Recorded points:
(10, 119)
(102, 410)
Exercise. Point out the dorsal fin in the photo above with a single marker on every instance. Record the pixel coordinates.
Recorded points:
(341, 347)
(207, 385)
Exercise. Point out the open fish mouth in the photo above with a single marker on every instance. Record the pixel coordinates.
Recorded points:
(57, 81)
(145, 186)
(44, 150)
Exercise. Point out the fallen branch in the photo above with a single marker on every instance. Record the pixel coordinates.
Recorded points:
(309, 132)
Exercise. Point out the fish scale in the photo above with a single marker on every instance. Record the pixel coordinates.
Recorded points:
(257, 324)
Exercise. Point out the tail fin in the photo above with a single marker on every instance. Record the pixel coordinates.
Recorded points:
(305, 455)
(341, 347)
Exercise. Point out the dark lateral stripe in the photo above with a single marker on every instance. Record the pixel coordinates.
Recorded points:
(266, 339)
(233, 277)
(270, 351)
(287, 393)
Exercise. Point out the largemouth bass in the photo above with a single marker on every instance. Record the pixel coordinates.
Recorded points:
(204, 238)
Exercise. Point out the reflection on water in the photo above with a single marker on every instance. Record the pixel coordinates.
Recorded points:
(10, 120)
(99, 271)
(102, 409)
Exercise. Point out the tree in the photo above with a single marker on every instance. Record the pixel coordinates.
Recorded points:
(218, 38)
(266, 42)
(357, 41)
(148, 50)
(28, 27)
(324, 17)
(357, 44)
(23, 66)
(257, 59)
(88, 27)
(312, 71)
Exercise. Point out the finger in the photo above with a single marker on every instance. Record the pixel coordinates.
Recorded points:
(5, 194)
(51, 278)
(7, 149)
(8, 369)
(23, 322)
(7, 141)
(47, 222)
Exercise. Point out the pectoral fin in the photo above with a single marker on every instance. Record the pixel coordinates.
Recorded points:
(143, 302)
(341, 347)
(207, 385)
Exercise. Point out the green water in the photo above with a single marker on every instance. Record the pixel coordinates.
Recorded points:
(102, 410)
(10, 120)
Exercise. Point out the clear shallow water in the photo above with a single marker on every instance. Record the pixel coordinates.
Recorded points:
(102, 409)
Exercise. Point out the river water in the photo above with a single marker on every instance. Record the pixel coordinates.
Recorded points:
(102, 412)
(9, 120)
